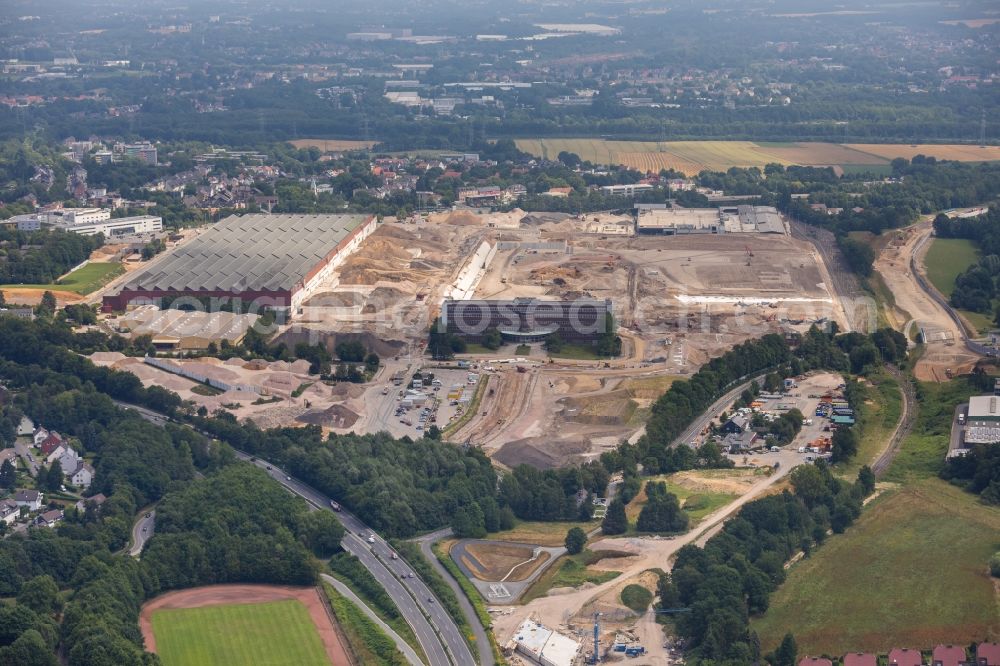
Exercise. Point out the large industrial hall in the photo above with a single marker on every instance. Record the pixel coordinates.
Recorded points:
(272, 259)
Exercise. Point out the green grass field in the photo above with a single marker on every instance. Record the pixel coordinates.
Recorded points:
(883, 404)
(266, 634)
(576, 353)
(911, 572)
(569, 571)
(946, 258)
(81, 281)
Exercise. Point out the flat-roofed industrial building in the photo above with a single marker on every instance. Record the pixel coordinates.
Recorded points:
(525, 320)
(657, 219)
(272, 261)
(185, 330)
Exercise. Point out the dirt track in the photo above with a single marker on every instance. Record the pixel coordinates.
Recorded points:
(217, 595)
(913, 307)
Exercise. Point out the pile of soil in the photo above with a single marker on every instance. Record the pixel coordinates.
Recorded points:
(335, 416)
(540, 452)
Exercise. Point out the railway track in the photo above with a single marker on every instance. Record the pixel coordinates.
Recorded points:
(907, 418)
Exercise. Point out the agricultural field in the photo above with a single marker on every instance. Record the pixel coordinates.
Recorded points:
(960, 153)
(912, 572)
(691, 157)
(332, 145)
(278, 632)
(82, 281)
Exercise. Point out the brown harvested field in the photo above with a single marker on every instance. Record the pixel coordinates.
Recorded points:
(22, 296)
(654, 162)
(961, 153)
(332, 145)
(219, 595)
(973, 23)
(497, 561)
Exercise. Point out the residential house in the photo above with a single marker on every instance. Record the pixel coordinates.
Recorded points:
(736, 424)
(9, 511)
(82, 476)
(94, 501)
(988, 654)
(948, 655)
(50, 443)
(905, 657)
(67, 456)
(860, 659)
(815, 661)
(739, 442)
(40, 436)
(26, 427)
(8, 454)
(49, 518)
(29, 498)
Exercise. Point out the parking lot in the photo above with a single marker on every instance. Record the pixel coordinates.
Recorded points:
(813, 439)
(434, 396)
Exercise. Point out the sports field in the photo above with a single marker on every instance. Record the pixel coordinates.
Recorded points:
(278, 632)
(242, 625)
(911, 572)
(82, 281)
(691, 157)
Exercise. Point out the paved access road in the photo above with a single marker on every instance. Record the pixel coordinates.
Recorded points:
(435, 630)
(22, 452)
(482, 640)
(142, 530)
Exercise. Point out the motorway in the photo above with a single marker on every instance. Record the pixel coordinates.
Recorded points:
(411, 595)
(482, 640)
(435, 630)
(142, 530)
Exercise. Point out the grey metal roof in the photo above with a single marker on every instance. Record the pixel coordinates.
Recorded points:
(255, 252)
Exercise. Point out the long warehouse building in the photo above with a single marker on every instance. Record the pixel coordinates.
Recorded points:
(272, 260)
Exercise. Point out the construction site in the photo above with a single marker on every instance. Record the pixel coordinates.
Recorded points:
(677, 301)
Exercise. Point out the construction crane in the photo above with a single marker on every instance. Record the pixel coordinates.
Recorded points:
(597, 637)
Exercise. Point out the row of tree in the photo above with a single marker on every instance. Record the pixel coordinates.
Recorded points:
(731, 579)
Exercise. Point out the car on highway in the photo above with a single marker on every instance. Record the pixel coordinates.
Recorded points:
(371, 538)
(334, 506)
(149, 514)
(268, 468)
(288, 478)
